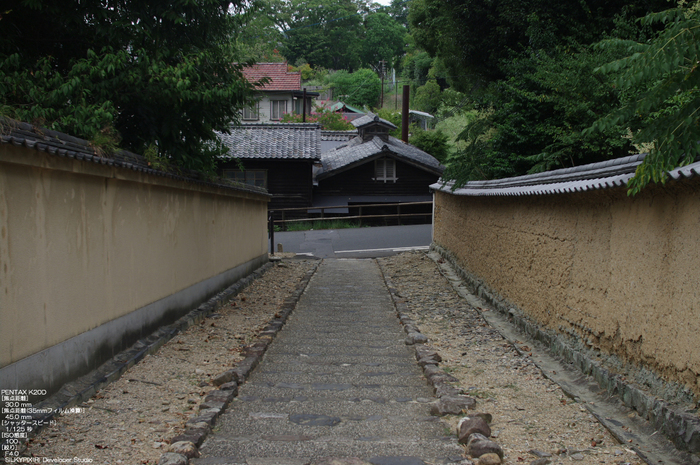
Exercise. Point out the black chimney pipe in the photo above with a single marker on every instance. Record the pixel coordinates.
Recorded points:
(404, 115)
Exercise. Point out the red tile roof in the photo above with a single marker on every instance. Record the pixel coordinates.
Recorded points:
(280, 78)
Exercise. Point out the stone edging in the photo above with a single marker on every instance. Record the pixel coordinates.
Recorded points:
(84, 387)
(682, 428)
(473, 430)
(186, 445)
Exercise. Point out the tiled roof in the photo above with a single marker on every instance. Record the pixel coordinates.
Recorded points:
(280, 78)
(301, 141)
(338, 135)
(65, 146)
(370, 118)
(603, 175)
(355, 152)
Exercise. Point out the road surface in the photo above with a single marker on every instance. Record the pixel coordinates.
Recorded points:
(357, 242)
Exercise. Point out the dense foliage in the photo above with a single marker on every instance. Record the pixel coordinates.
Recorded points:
(528, 71)
(322, 33)
(361, 88)
(432, 142)
(159, 74)
(661, 79)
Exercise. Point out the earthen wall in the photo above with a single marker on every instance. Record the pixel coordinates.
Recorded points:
(620, 275)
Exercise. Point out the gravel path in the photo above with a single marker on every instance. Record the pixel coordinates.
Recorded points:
(530, 413)
(131, 421)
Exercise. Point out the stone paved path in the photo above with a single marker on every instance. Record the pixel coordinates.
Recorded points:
(337, 381)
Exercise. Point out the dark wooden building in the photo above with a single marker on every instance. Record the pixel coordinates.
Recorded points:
(279, 157)
(375, 168)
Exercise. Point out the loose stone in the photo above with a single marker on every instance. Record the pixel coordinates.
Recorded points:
(452, 405)
(471, 425)
(479, 445)
(185, 448)
(225, 377)
(489, 459)
(171, 458)
(416, 338)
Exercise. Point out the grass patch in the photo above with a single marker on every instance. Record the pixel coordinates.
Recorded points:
(321, 224)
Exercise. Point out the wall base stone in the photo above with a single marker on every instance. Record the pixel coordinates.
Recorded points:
(669, 407)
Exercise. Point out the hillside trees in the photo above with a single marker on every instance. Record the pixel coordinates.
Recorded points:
(322, 33)
(160, 74)
(528, 71)
(384, 40)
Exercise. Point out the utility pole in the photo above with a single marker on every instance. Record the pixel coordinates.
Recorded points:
(382, 72)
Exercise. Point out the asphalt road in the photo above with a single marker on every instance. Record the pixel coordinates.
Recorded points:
(357, 242)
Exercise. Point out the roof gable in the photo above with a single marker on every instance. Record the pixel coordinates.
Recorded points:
(356, 152)
(280, 78)
(288, 141)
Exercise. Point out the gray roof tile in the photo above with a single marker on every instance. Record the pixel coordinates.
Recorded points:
(356, 152)
(338, 135)
(602, 175)
(63, 145)
(370, 118)
(298, 141)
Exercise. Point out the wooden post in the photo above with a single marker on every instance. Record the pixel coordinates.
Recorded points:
(303, 118)
(272, 232)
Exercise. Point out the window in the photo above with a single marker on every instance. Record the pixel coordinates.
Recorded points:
(385, 170)
(277, 109)
(251, 113)
(299, 106)
(256, 178)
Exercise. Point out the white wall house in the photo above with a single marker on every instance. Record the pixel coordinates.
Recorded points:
(282, 94)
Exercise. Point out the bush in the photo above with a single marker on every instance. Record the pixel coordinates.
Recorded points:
(361, 88)
(327, 119)
(433, 142)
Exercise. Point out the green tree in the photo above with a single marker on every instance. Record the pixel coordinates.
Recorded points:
(384, 40)
(432, 142)
(361, 88)
(489, 31)
(416, 66)
(399, 11)
(258, 36)
(160, 73)
(322, 33)
(665, 114)
(537, 117)
(428, 97)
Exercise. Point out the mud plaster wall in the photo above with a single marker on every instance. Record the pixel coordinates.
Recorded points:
(83, 244)
(620, 274)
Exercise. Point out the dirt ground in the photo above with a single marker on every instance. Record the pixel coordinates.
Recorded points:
(530, 413)
(132, 420)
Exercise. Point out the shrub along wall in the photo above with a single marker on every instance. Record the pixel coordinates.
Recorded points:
(95, 255)
(617, 275)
